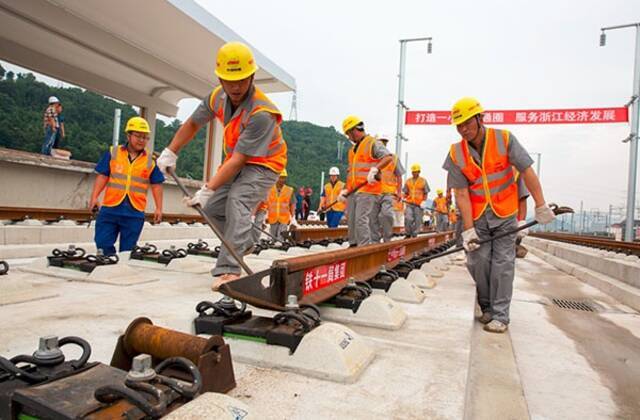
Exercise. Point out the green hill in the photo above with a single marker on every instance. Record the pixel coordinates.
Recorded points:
(89, 124)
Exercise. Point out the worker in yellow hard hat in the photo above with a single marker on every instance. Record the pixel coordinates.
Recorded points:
(416, 189)
(481, 171)
(440, 207)
(255, 152)
(125, 173)
(382, 225)
(367, 157)
(281, 207)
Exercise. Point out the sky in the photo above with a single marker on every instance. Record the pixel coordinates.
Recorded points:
(344, 56)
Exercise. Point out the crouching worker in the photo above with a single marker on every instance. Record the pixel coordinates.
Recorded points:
(255, 153)
(125, 173)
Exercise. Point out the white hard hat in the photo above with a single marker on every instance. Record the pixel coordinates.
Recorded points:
(53, 100)
(334, 171)
(386, 137)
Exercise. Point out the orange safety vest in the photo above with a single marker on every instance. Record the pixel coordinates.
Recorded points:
(279, 205)
(331, 193)
(494, 183)
(441, 204)
(416, 190)
(128, 179)
(453, 217)
(360, 163)
(389, 178)
(276, 158)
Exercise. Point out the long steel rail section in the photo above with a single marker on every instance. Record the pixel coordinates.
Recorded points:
(318, 277)
(630, 248)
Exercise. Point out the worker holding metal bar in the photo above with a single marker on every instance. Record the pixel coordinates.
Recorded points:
(281, 207)
(255, 152)
(330, 195)
(416, 189)
(480, 170)
(440, 208)
(126, 173)
(367, 157)
(382, 225)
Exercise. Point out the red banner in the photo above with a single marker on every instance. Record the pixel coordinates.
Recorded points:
(319, 277)
(533, 116)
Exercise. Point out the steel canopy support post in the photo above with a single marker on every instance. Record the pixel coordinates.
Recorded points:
(400, 106)
(633, 145)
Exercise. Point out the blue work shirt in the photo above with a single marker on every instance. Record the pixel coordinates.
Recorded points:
(125, 208)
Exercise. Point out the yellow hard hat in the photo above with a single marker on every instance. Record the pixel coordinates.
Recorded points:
(464, 109)
(350, 122)
(235, 62)
(415, 167)
(284, 173)
(439, 191)
(138, 124)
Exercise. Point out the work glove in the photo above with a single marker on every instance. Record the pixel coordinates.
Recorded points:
(342, 197)
(371, 177)
(423, 205)
(524, 232)
(544, 214)
(166, 159)
(468, 236)
(200, 198)
(294, 223)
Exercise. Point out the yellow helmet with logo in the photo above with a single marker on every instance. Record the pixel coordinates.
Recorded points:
(235, 62)
(350, 122)
(284, 173)
(464, 109)
(415, 167)
(138, 124)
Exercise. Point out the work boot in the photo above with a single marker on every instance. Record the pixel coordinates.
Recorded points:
(496, 326)
(485, 318)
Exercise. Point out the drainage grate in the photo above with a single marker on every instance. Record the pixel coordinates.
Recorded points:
(575, 305)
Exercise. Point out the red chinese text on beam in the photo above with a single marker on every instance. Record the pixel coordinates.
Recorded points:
(533, 116)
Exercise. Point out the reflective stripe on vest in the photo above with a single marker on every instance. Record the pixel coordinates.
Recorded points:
(279, 205)
(494, 183)
(276, 158)
(360, 163)
(416, 190)
(331, 193)
(128, 179)
(389, 178)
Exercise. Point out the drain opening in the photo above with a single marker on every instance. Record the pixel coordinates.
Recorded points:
(575, 305)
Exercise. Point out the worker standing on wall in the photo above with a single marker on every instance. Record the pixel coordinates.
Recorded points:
(480, 170)
(125, 173)
(255, 152)
(367, 157)
(382, 225)
(416, 189)
(441, 209)
(330, 193)
(281, 207)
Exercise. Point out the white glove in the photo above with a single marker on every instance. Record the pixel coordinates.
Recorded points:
(294, 222)
(544, 214)
(468, 236)
(200, 198)
(371, 177)
(423, 205)
(524, 232)
(342, 196)
(166, 159)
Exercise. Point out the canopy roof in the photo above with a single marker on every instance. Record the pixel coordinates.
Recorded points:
(146, 56)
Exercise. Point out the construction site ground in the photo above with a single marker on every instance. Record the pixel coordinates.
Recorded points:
(553, 363)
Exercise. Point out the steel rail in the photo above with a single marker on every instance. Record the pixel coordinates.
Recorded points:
(80, 215)
(291, 276)
(303, 235)
(629, 248)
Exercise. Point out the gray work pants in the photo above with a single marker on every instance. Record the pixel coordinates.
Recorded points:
(492, 266)
(360, 207)
(459, 231)
(442, 222)
(259, 222)
(382, 218)
(230, 210)
(413, 220)
(277, 230)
